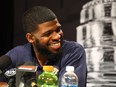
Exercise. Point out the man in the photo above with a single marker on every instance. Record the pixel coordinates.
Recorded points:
(46, 45)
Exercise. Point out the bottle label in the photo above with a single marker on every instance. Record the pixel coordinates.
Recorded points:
(69, 86)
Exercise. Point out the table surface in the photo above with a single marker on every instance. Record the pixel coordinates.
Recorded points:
(3, 84)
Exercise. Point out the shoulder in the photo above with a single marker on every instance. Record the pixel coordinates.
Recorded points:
(20, 53)
(67, 45)
(19, 49)
(72, 48)
(72, 53)
(22, 47)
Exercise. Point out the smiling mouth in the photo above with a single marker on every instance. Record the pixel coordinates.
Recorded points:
(55, 45)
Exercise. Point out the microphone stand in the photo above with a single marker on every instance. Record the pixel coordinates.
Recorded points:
(11, 83)
(22, 84)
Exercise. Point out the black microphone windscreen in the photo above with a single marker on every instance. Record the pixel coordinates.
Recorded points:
(5, 61)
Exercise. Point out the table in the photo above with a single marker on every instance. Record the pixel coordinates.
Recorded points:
(3, 84)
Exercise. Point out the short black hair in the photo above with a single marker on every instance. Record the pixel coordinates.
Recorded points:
(36, 15)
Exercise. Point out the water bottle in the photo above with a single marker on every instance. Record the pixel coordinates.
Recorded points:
(69, 79)
(47, 78)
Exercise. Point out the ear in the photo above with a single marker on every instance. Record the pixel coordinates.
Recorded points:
(30, 37)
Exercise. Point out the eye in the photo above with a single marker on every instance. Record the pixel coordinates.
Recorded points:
(46, 34)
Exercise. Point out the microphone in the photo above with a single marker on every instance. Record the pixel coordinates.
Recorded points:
(10, 74)
(5, 62)
(30, 81)
(26, 75)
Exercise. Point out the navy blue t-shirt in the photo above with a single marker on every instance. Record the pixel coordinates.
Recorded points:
(73, 54)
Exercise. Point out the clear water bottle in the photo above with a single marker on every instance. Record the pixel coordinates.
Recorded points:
(69, 79)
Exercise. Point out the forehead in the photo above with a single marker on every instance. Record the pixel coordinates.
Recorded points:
(49, 25)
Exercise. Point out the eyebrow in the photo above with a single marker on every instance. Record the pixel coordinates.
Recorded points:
(49, 31)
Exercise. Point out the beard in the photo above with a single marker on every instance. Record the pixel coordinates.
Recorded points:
(46, 53)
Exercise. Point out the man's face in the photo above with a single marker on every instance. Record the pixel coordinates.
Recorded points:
(48, 37)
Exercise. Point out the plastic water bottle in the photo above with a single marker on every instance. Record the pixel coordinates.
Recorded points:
(69, 79)
(47, 78)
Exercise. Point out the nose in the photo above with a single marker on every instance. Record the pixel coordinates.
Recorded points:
(56, 36)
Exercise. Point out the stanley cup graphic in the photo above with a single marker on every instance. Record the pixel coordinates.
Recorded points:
(97, 34)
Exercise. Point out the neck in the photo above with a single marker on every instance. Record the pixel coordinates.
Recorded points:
(40, 58)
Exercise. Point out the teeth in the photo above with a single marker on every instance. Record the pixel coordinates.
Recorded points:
(55, 44)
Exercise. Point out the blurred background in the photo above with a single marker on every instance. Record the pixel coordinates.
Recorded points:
(90, 23)
(97, 34)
